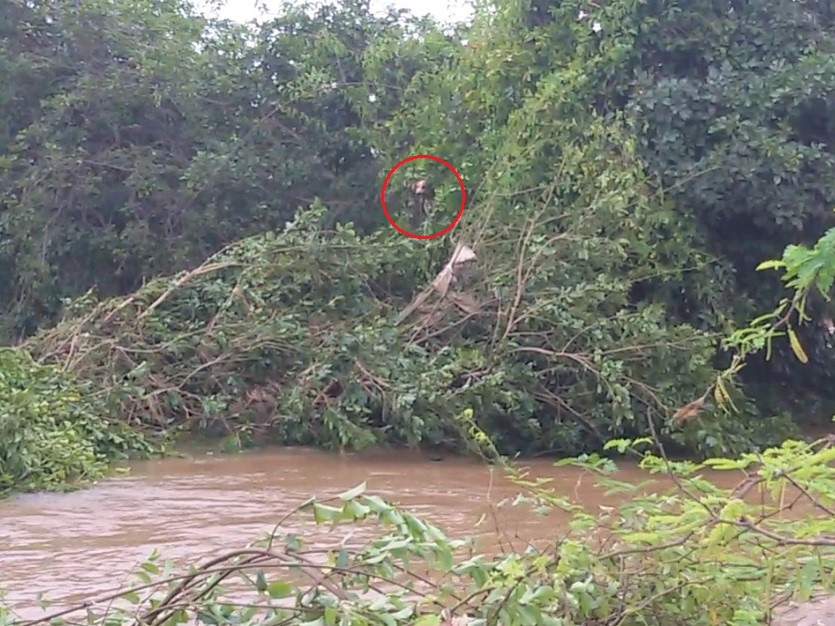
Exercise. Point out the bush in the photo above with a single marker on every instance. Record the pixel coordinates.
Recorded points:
(53, 432)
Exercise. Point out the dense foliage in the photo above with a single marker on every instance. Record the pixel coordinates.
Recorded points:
(190, 221)
(54, 431)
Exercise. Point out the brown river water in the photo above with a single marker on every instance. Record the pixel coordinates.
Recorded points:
(76, 545)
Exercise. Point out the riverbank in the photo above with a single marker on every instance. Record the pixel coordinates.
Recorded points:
(44, 472)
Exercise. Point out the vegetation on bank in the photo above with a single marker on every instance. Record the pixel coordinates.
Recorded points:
(54, 430)
(191, 237)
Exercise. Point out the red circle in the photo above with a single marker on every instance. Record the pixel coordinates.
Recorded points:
(454, 221)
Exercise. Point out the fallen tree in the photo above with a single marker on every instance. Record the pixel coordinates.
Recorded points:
(343, 341)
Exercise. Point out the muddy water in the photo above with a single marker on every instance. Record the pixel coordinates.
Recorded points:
(77, 545)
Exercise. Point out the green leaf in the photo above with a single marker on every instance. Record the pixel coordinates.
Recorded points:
(131, 596)
(323, 513)
(279, 589)
(770, 265)
(353, 493)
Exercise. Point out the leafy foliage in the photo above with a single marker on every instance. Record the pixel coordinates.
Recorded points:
(153, 138)
(544, 346)
(808, 272)
(54, 431)
(737, 118)
(611, 164)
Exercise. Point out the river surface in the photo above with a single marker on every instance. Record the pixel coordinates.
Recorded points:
(76, 545)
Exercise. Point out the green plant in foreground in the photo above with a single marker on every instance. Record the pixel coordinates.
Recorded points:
(693, 554)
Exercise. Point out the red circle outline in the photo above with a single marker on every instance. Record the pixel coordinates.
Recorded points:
(460, 184)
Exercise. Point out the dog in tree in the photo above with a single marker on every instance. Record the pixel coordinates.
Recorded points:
(421, 201)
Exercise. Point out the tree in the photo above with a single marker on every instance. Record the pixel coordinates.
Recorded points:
(149, 138)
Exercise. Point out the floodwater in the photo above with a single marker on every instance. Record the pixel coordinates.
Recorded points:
(78, 545)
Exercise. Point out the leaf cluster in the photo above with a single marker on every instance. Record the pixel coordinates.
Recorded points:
(54, 431)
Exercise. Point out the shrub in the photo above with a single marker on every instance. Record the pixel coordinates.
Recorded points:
(53, 431)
